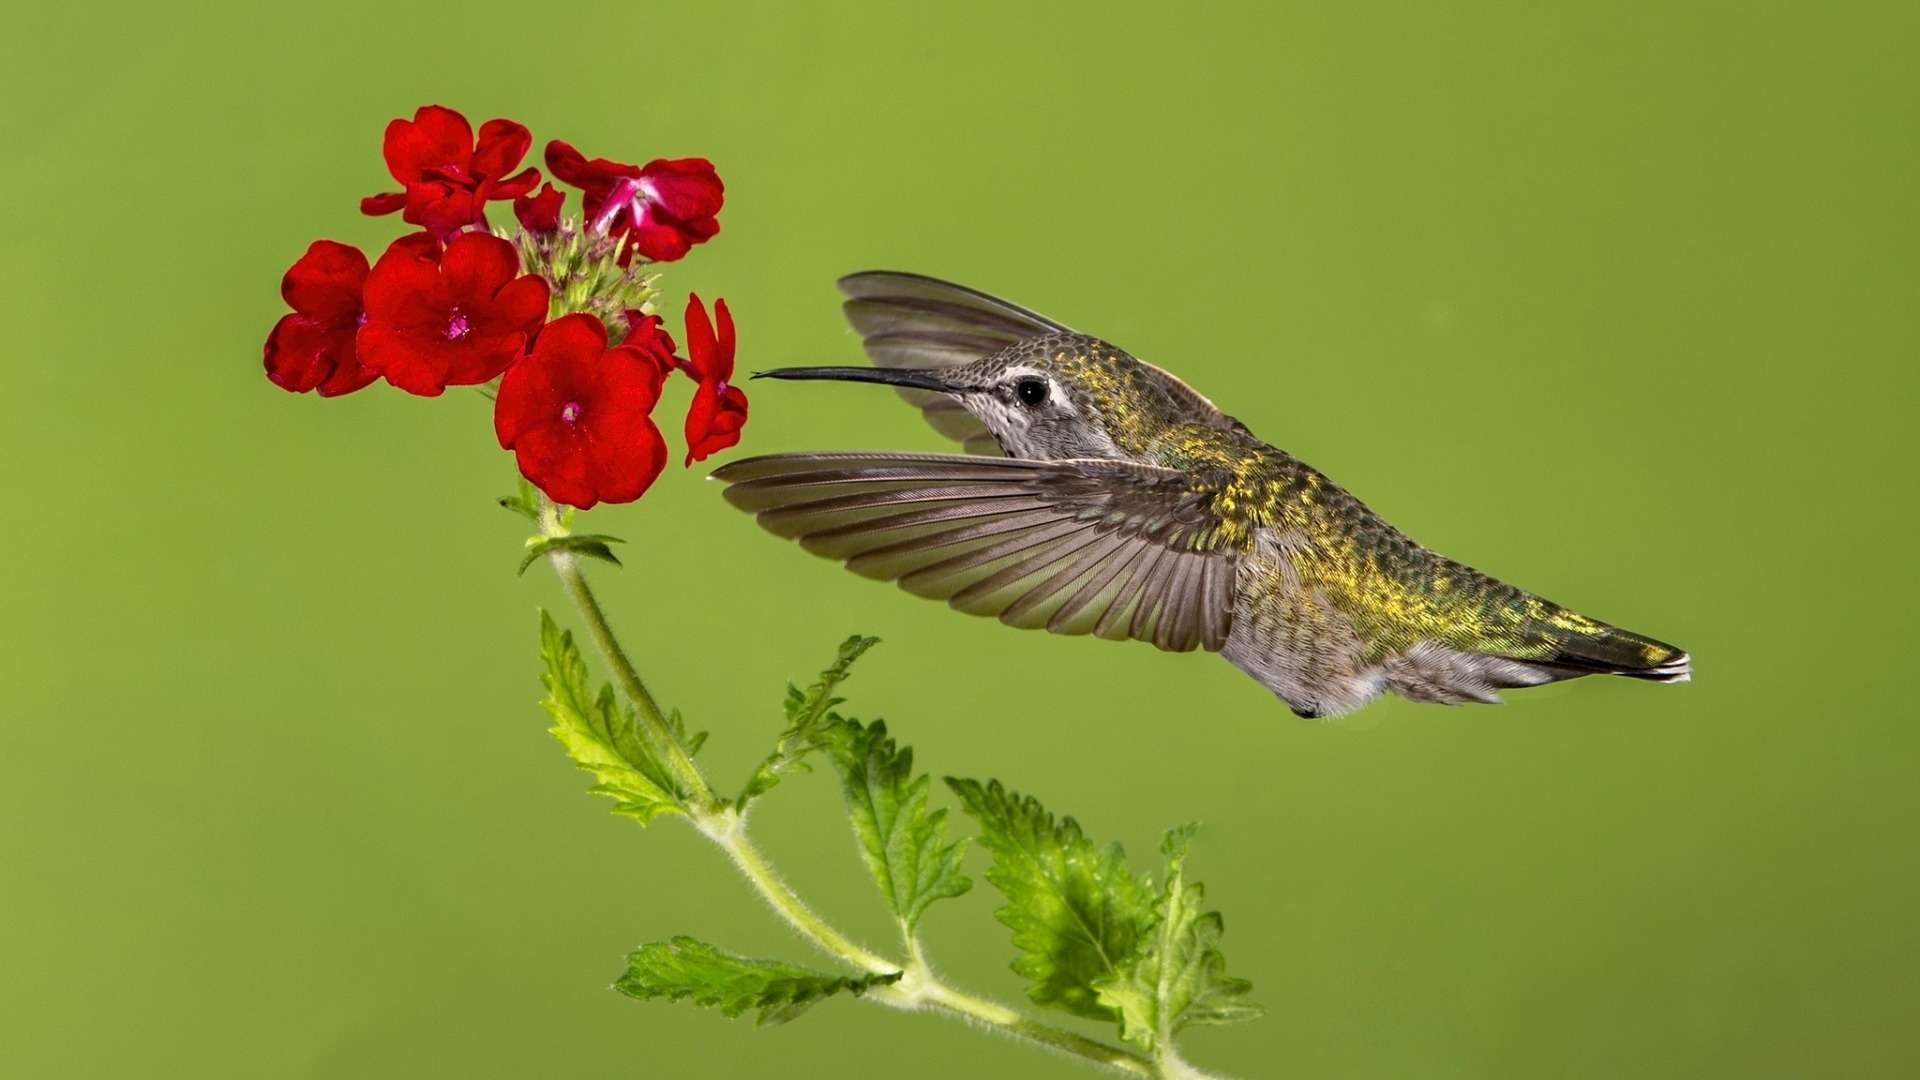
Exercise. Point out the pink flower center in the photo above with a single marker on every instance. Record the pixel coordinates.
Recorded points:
(570, 412)
(457, 327)
(628, 194)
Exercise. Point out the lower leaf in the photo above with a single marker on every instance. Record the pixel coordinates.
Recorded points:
(687, 969)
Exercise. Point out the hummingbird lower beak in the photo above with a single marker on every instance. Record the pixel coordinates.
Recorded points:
(907, 377)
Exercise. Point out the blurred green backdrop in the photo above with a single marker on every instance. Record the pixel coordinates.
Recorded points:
(1615, 301)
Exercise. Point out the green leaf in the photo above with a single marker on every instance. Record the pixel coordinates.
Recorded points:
(685, 968)
(1078, 915)
(600, 735)
(590, 545)
(690, 743)
(1180, 978)
(523, 502)
(904, 844)
(810, 717)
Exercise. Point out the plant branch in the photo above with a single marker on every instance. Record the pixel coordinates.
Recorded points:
(919, 989)
(728, 830)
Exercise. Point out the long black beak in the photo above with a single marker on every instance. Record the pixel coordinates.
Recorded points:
(908, 377)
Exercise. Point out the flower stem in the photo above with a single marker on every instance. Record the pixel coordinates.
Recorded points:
(652, 722)
(918, 988)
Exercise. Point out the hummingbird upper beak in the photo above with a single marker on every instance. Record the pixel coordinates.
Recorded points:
(913, 378)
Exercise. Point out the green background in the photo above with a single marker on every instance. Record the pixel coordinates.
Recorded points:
(1614, 301)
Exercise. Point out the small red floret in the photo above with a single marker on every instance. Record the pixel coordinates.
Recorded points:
(647, 334)
(539, 213)
(448, 318)
(575, 413)
(660, 209)
(313, 348)
(719, 409)
(447, 177)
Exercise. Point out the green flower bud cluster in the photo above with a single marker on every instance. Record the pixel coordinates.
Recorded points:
(584, 272)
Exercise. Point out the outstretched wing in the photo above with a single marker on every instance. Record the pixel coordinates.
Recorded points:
(1111, 548)
(912, 321)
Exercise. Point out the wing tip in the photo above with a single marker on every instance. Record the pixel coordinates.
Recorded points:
(849, 284)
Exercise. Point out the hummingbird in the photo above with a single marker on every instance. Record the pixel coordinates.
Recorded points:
(1101, 495)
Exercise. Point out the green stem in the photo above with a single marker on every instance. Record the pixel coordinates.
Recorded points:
(993, 1015)
(918, 989)
(727, 829)
(652, 722)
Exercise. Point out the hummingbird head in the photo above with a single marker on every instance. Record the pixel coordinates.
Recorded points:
(1042, 399)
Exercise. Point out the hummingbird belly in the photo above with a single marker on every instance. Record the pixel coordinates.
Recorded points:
(1291, 638)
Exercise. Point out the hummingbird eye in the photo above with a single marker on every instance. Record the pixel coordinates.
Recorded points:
(1031, 392)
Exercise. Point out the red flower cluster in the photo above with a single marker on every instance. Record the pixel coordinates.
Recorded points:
(456, 305)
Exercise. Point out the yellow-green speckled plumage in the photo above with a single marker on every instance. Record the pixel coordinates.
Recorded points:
(1394, 592)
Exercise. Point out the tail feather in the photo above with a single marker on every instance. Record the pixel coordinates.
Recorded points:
(1613, 651)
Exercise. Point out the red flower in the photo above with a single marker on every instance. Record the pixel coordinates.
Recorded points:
(718, 410)
(645, 332)
(539, 213)
(313, 348)
(447, 177)
(662, 209)
(456, 319)
(575, 415)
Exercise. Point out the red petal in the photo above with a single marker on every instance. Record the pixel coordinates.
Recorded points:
(624, 449)
(413, 362)
(437, 137)
(418, 245)
(525, 400)
(658, 240)
(700, 342)
(404, 290)
(384, 203)
(567, 165)
(349, 374)
(298, 354)
(475, 266)
(539, 214)
(700, 411)
(513, 186)
(520, 306)
(700, 230)
(723, 357)
(647, 334)
(325, 283)
(479, 357)
(443, 208)
(553, 459)
(625, 453)
(502, 144)
(685, 188)
(594, 175)
(714, 420)
(575, 341)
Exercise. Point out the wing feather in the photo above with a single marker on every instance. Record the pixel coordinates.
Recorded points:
(914, 321)
(1111, 548)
